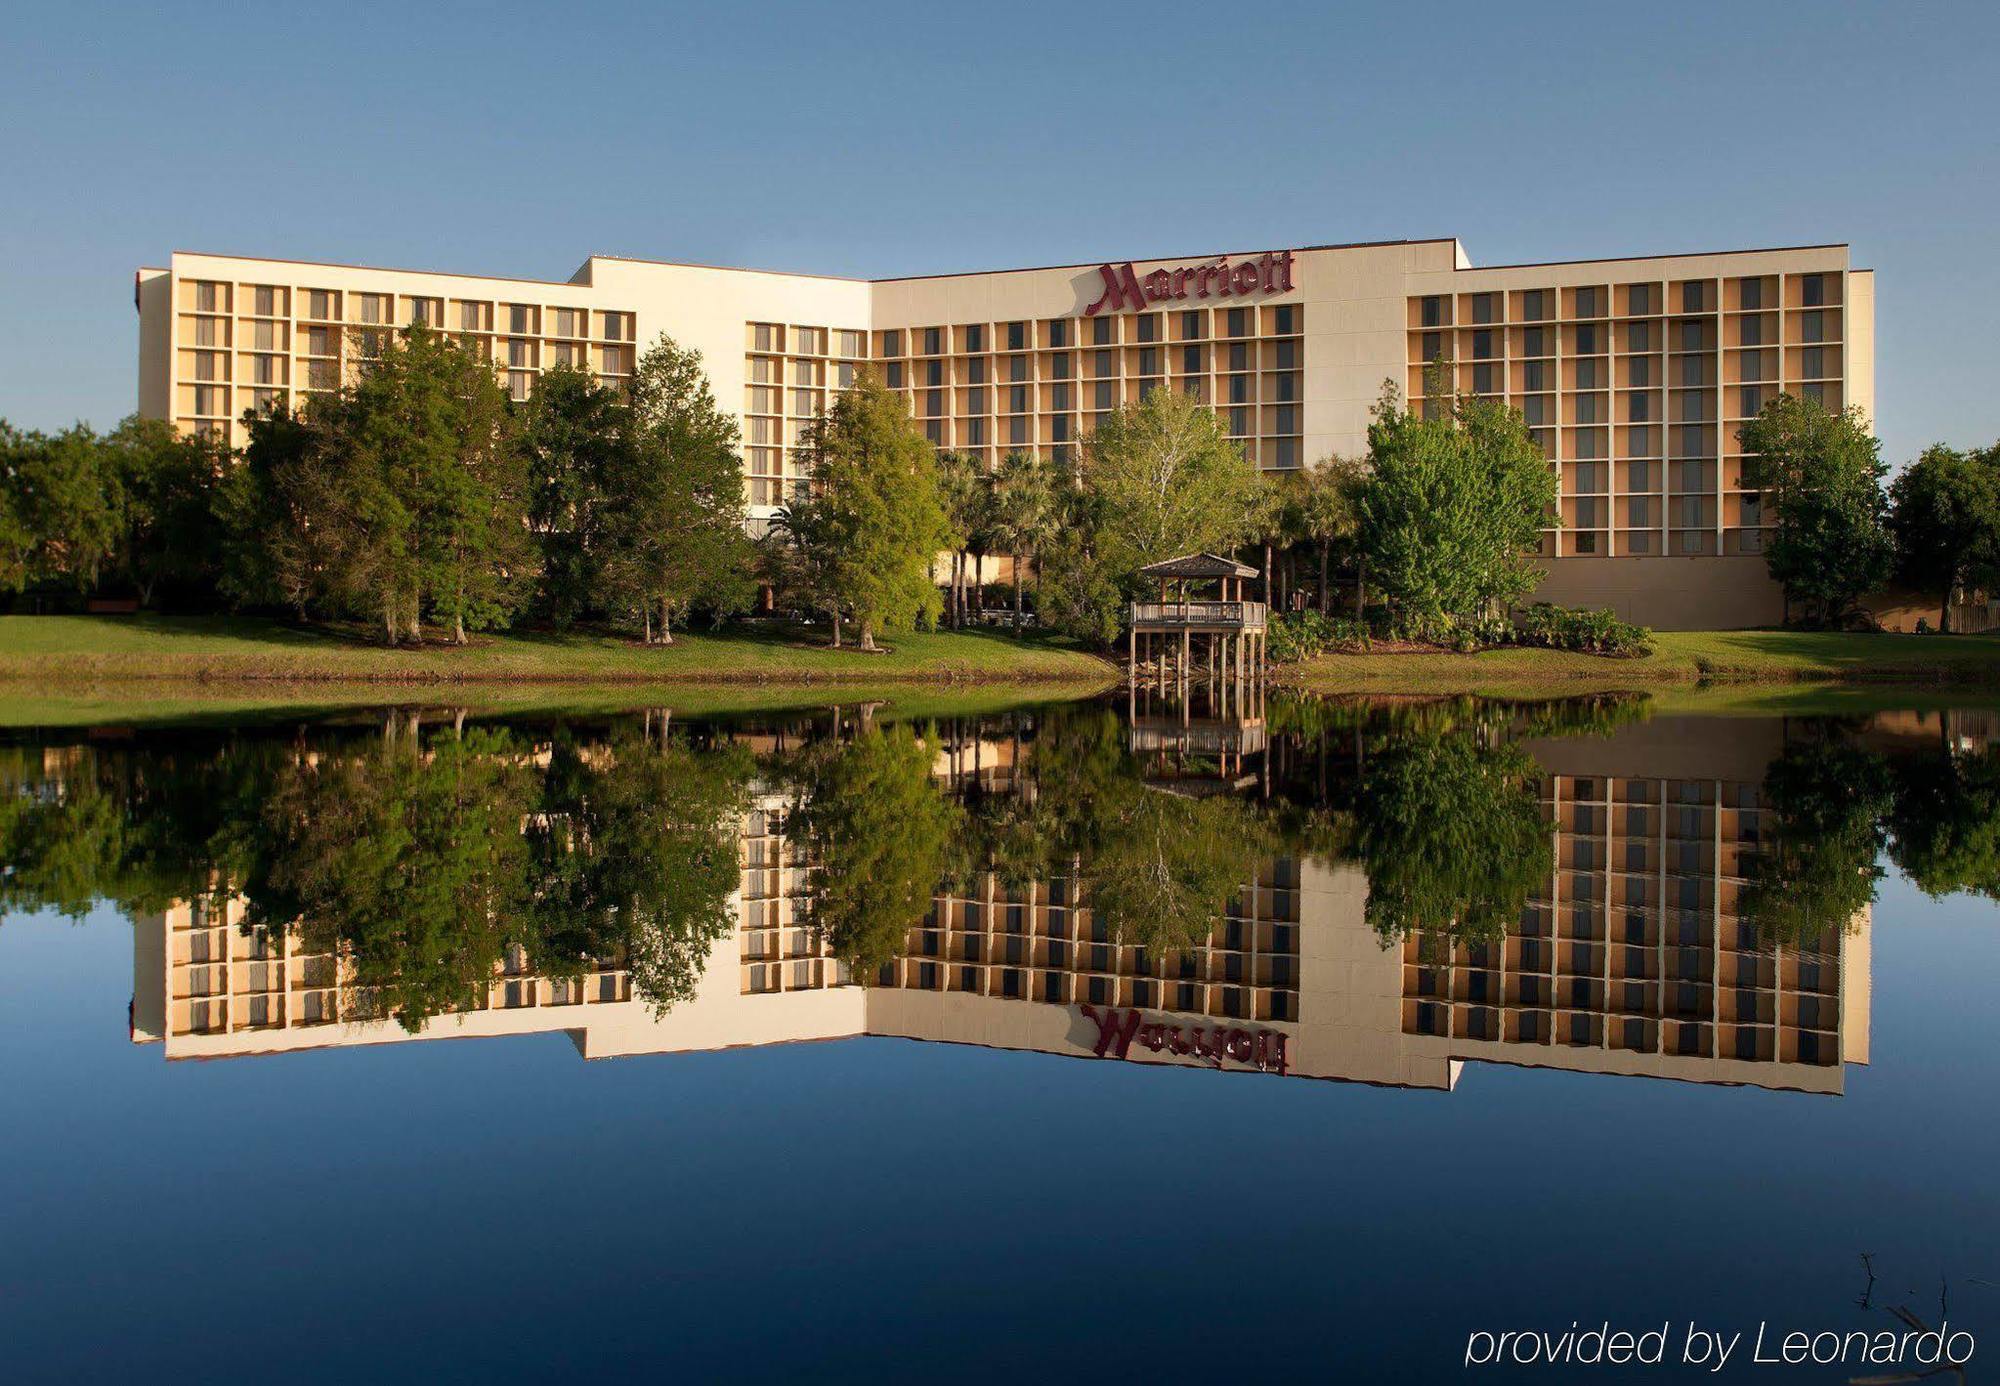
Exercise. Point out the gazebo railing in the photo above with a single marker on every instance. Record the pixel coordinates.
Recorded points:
(1230, 614)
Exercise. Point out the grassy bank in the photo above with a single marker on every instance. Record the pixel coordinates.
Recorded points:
(1680, 660)
(50, 650)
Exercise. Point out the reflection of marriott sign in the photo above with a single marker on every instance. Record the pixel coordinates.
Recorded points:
(1267, 274)
(1117, 1031)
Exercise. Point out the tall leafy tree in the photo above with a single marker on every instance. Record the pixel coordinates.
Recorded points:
(1944, 515)
(168, 481)
(1170, 481)
(676, 534)
(966, 494)
(1328, 503)
(874, 481)
(1457, 496)
(283, 515)
(62, 508)
(1822, 472)
(1024, 513)
(573, 436)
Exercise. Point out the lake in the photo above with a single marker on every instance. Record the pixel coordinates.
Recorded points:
(1269, 1037)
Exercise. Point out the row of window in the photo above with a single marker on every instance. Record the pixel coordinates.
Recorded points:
(387, 309)
(1639, 338)
(1055, 334)
(1751, 294)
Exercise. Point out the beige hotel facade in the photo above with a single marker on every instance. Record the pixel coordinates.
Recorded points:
(1635, 374)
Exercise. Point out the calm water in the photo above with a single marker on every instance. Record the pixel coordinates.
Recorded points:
(1305, 1040)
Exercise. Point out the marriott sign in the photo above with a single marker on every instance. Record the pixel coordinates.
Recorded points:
(1269, 273)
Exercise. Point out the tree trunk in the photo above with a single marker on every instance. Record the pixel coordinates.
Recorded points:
(1267, 575)
(389, 618)
(666, 623)
(867, 635)
(1360, 581)
(836, 625)
(979, 583)
(1325, 595)
(957, 587)
(1017, 596)
(458, 628)
(1944, 613)
(646, 623)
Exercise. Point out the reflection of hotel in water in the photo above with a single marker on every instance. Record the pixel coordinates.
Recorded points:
(1633, 960)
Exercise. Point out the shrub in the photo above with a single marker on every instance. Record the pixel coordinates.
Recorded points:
(1596, 631)
(1296, 635)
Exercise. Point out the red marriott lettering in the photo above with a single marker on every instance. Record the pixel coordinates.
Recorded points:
(1118, 1030)
(1125, 288)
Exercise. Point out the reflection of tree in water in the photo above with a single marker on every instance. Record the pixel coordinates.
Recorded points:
(1944, 831)
(877, 829)
(1450, 829)
(1825, 798)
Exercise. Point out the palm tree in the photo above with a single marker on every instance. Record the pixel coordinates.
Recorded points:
(1329, 514)
(1023, 508)
(967, 494)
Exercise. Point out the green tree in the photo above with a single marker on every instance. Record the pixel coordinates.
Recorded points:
(1944, 516)
(62, 508)
(1328, 502)
(1168, 481)
(1822, 472)
(1023, 514)
(280, 511)
(874, 480)
(168, 481)
(1944, 825)
(877, 829)
(1452, 515)
(677, 538)
(421, 446)
(574, 435)
(966, 494)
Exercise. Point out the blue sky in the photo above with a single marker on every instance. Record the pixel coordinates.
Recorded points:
(900, 139)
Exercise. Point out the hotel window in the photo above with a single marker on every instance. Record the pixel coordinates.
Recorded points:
(1693, 440)
(1059, 397)
(802, 373)
(1017, 336)
(1639, 337)
(1104, 392)
(975, 372)
(933, 402)
(520, 318)
(617, 327)
(1590, 442)
(975, 337)
(1103, 365)
(1534, 376)
(1638, 406)
(1149, 327)
(519, 383)
(1239, 423)
(1484, 379)
(263, 401)
(1535, 342)
(934, 432)
(854, 344)
(1190, 359)
(207, 298)
(1586, 409)
(843, 375)
(320, 375)
(1017, 430)
(1751, 295)
(1694, 297)
(264, 336)
(322, 304)
(1059, 428)
(1587, 375)
(1482, 308)
(1812, 290)
(207, 399)
(892, 343)
(1694, 407)
(1239, 356)
(208, 365)
(810, 341)
(1692, 374)
(374, 308)
(1812, 363)
(802, 403)
(1750, 332)
(1286, 319)
(469, 317)
(1813, 390)
(1149, 361)
(1287, 453)
(1017, 399)
(207, 332)
(1535, 409)
(893, 375)
(1017, 368)
(975, 432)
(1586, 303)
(975, 400)
(1750, 510)
(1750, 402)
(570, 323)
(1432, 347)
(1639, 300)
(933, 341)
(520, 353)
(1433, 312)
(1586, 339)
(1639, 512)
(763, 337)
(264, 301)
(1589, 478)
(933, 372)
(428, 312)
(1239, 389)
(1812, 327)
(1639, 371)
(264, 370)
(1059, 333)
(617, 360)
(1638, 475)
(1288, 418)
(1059, 366)
(1239, 322)
(1100, 331)
(1287, 387)
(1482, 344)
(1191, 325)
(1288, 356)
(1535, 305)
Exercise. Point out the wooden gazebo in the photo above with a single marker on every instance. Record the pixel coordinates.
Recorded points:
(1201, 594)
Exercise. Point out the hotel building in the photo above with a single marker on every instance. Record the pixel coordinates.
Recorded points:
(1635, 374)
(1633, 960)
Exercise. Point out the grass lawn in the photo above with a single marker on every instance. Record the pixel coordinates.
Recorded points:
(49, 650)
(1681, 659)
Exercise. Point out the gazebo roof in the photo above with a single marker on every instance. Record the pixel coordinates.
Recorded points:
(1198, 565)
